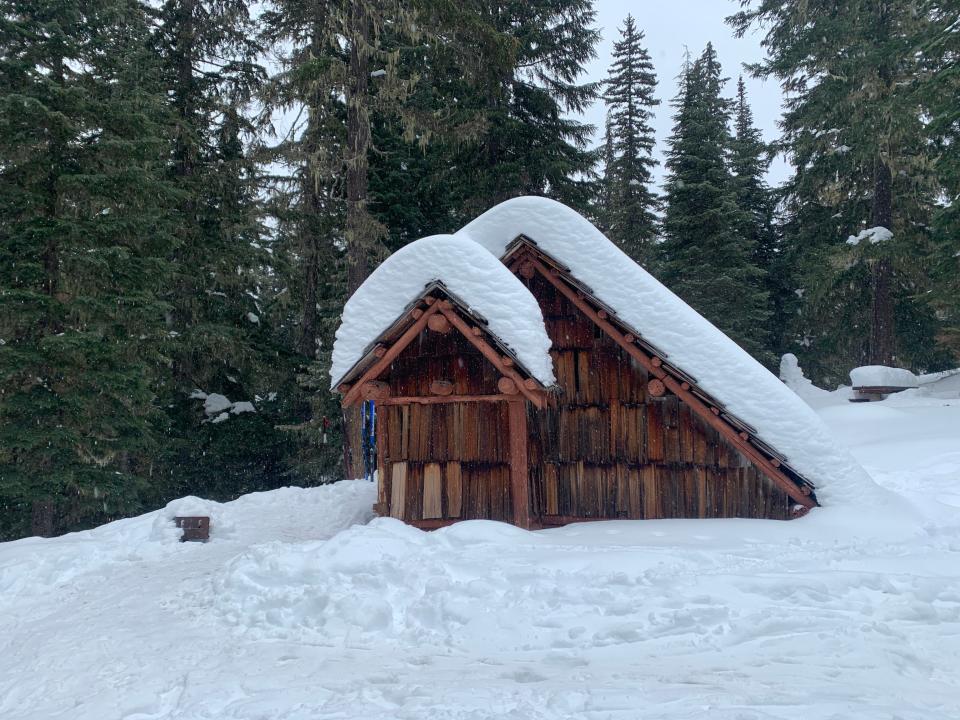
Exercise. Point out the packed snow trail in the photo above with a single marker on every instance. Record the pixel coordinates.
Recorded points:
(302, 608)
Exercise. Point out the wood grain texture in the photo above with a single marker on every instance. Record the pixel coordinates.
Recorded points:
(398, 496)
(432, 492)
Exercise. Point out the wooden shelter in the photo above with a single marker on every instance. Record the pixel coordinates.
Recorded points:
(465, 431)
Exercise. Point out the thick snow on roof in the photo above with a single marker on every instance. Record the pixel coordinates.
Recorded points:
(470, 273)
(719, 366)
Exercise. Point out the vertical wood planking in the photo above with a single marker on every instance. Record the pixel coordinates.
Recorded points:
(519, 485)
(398, 495)
(432, 492)
(454, 487)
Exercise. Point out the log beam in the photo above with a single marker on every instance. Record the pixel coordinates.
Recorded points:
(441, 399)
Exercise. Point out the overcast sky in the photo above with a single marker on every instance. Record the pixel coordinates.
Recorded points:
(670, 26)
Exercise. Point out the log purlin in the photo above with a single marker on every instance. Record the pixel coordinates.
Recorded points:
(655, 368)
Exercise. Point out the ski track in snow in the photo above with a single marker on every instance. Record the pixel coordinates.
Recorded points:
(303, 608)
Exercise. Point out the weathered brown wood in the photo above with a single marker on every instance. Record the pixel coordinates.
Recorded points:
(443, 388)
(443, 400)
(398, 494)
(379, 351)
(653, 364)
(383, 440)
(454, 485)
(493, 356)
(507, 386)
(656, 388)
(432, 491)
(196, 528)
(431, 524)
(439, 324)
(416, 313)
(375, 390)
(519, 485)
(383, 363)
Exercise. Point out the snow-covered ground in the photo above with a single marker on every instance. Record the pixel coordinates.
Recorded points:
(300, 608)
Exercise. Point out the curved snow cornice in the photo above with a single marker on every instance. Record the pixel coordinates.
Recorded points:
(470, 272)
(690, 342)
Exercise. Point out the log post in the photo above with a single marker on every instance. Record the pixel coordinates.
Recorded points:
(519, 477)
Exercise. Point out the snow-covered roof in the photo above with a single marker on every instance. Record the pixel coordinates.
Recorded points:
(690, 342)
(471, 273)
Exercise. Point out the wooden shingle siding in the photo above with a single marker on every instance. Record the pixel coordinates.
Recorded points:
(610, 450)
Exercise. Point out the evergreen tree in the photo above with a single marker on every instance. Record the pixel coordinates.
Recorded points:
(341, 64)
(630, 205)
(749, 161)
(85, 228)
(531, 145)
(707, 260)
(940, 88)
(855, 127)
(220, 339)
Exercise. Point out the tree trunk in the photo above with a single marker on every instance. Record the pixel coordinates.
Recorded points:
(183, 101)
(361, 231)
(881, 343)
(41, 523)
(310, 235)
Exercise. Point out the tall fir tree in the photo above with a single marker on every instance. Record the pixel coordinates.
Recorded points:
(857, 131)
(86, 230)
(939, 88)
(707, 259)
(749, 162)
(340, 65)
(220, 339)
(532, 146)
(630, 205)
